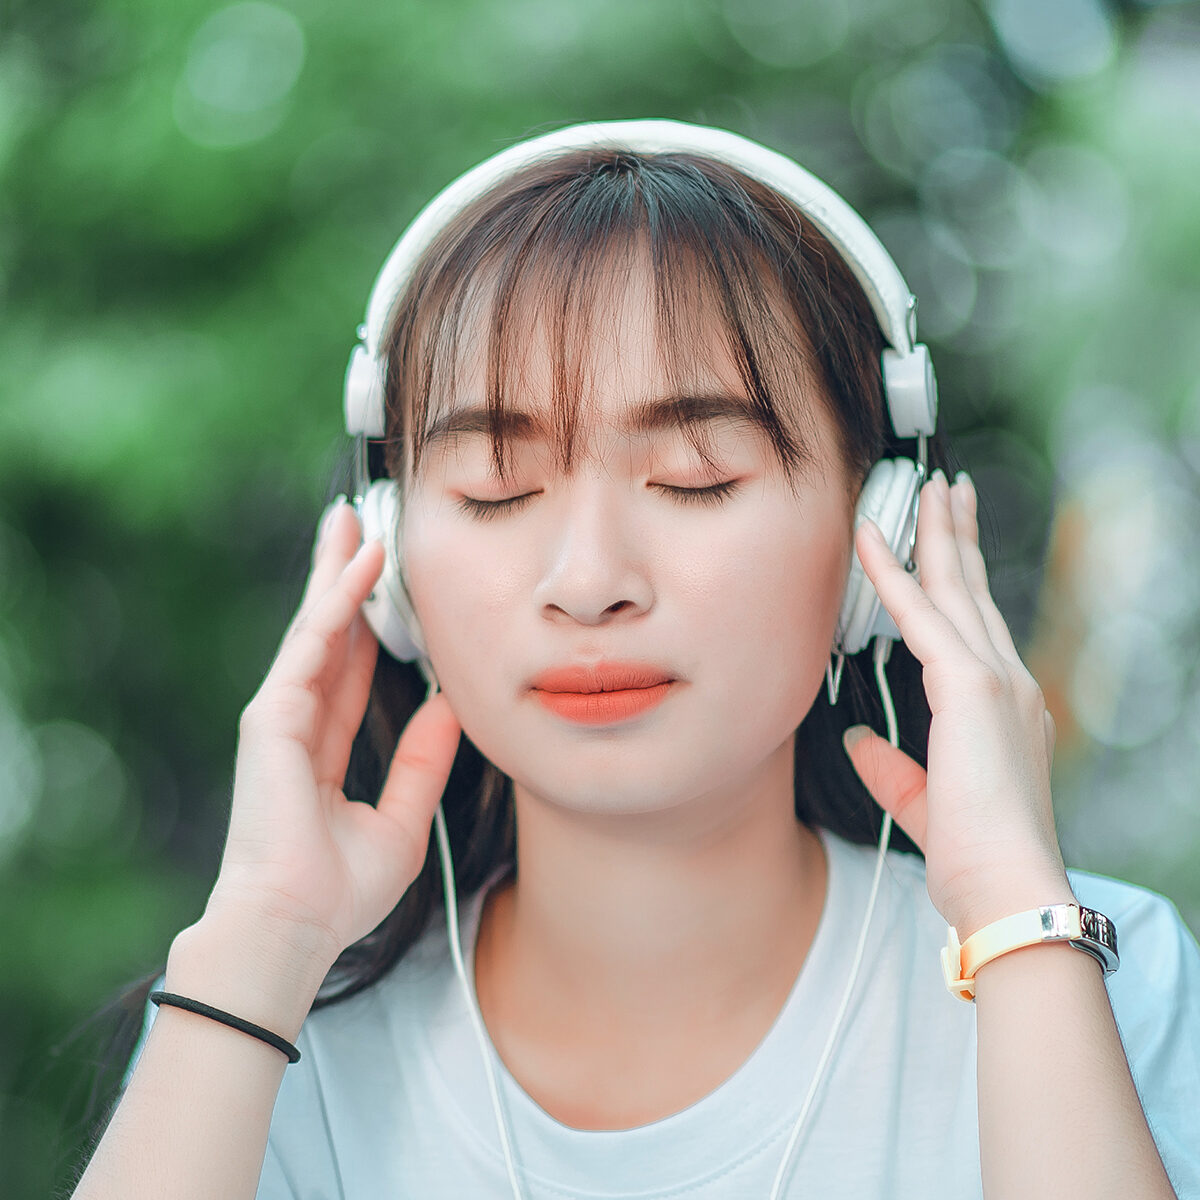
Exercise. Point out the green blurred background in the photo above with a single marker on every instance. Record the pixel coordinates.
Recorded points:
(195, 199)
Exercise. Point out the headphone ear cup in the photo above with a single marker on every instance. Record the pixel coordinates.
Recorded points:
(388, 609)
(889, 498)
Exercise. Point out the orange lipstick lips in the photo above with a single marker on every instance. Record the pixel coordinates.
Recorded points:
(602, 693)
(603, 708)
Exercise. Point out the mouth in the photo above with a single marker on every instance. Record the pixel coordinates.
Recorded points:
(591, 678)
(604, 708)
(602, 693)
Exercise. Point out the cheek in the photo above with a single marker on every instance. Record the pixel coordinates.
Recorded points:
(780, 577)
(459, 588)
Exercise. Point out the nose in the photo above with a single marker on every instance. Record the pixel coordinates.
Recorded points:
(596, 566)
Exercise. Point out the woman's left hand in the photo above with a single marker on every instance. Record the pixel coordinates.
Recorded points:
(982, 813)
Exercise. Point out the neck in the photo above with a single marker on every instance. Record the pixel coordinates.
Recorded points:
(700, 914)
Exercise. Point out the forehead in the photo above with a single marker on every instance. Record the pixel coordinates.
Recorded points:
(639, 349)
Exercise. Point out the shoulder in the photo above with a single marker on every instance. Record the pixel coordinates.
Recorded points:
(1155, 996)
(906, 931)
(341, 1101)
(1158, 982)
(1129, 900)
(353, 1030)
(904, 898)
(1152, 938)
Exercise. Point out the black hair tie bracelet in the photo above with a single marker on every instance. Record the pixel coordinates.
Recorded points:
(206, 1010)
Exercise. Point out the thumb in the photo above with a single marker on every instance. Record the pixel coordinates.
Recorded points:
(896, 782)
(417, 777)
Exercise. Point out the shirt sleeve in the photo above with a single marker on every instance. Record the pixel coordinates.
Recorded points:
(147, 1022)
(274, 1184)
(1155, 994)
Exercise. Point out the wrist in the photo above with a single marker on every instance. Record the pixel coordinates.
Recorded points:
(1003, 898)
(256, 969)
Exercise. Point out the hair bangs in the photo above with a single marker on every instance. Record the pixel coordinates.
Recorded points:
(549, 252)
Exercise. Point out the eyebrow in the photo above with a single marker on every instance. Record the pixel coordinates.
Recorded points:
(648, 416)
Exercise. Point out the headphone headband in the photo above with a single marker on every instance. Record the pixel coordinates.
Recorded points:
(909, 382)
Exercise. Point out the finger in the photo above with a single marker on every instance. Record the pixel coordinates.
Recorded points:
(1051, 736)
(310, 641)
(348, 693)
(895, 781)
(336, 544)
(323, 523)
(941, 565)
(292, 688)
(417, 778)
(965, 507)
(927, 631)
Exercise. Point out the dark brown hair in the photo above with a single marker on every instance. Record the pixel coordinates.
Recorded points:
(791, 309)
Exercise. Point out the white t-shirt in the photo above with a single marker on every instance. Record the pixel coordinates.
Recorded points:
(390, 1099)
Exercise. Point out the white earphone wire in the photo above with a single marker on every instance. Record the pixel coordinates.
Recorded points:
(450, 892)
(881, 652)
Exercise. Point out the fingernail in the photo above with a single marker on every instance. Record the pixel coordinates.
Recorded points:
(327, 515)
(873, 530)
(963, 477)
(939, 476)
(854, 735)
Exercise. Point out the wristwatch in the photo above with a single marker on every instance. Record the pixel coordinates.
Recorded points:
(1084, 928)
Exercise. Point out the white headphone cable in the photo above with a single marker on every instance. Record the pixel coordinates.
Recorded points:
(880, 654)
(449, 890)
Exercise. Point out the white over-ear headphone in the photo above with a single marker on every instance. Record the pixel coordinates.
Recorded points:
(889, 496)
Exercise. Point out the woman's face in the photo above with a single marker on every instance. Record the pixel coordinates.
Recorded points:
(736, 600)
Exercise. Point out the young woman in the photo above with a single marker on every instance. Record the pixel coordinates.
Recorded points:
(645, 435)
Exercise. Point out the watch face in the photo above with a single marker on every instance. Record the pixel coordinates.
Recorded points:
(1097, 927)
(1099, 938)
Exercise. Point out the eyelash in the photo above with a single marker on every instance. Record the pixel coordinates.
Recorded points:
(714, 495)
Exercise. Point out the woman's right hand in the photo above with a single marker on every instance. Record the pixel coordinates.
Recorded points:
(298, 852)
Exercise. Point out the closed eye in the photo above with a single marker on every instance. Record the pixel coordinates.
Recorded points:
(713, 495)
